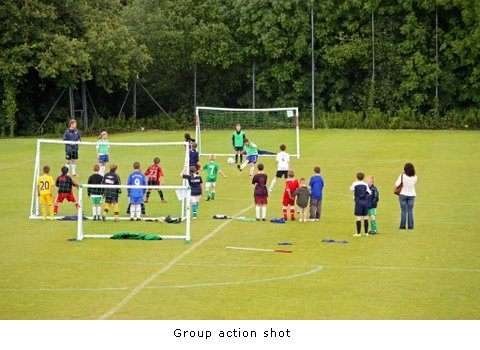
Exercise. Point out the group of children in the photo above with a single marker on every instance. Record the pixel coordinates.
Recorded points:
(103, 200)
(299, 196)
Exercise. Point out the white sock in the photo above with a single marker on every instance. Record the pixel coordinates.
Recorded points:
(243, 165)
(264, 212)
(132, 211)
(102, 170)
(272, 184)
(99, 210)
(257, 212)
(94, 211)
(74, 169)
(139, 211)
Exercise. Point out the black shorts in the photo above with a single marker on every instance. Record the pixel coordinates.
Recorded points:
(361, 208)
(153, 182)
(71, 155)
(282, 173)
(238, 149)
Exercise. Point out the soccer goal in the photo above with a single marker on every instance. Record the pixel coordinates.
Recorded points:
(174, 158)
(173, 224)
(266, 127)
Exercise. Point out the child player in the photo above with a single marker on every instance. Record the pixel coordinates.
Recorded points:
(316, 194)
(288, 201)
(251, 150)
(373, 199)
(194, 157)
(195, 182)
(71, 150)
(260, 193)
(154, 175)
(45, 193)
(103, 148)
(283, 165)
(212, 168)
(361, 191)
(238, 140)
(302, 195)
(65, 186)
(111, 194)
(136, 195)
(95, 193)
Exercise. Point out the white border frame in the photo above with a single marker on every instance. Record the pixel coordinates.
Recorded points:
(198, 135)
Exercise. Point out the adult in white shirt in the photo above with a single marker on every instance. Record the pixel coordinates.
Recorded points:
(408, 179)
(283, 166)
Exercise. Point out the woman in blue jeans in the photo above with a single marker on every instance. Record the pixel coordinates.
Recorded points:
(407, 196)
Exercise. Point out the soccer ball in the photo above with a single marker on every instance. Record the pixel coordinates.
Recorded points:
(230, 160)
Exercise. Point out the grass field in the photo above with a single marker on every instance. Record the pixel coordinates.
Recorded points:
(431, 273)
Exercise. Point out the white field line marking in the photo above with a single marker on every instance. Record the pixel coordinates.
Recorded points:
(167, 267)
(260, 280)
(387, 268)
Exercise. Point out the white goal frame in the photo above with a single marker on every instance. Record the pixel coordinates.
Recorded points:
(35, 207)
(198, 134)
(185, 215)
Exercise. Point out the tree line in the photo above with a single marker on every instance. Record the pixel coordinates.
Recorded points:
(413, 59)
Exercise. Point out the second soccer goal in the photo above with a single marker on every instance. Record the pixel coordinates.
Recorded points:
(268, 128)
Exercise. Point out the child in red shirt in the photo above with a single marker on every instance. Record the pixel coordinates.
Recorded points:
(291, 185)
(65, 185)
(154, 173)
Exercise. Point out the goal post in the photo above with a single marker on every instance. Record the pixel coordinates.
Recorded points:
(174, 156)
(181, 229)
(267, 127)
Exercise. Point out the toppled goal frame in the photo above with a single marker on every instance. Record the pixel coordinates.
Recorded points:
(198, 134)
(185, 215)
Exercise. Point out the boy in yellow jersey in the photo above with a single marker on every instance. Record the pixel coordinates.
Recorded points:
(45, 192)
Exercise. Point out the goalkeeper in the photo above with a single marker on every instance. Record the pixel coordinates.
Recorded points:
(238, 140)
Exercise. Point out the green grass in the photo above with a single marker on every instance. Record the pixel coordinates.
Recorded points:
(432, 273)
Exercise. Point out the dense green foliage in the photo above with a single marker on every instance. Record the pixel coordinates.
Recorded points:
(47, 45)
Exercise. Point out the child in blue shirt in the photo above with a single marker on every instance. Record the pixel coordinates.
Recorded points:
(316, 194)
(195, 182)
(194, 157)
(361, 192)
(136, 195)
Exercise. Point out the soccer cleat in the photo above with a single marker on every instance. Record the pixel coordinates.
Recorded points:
(366, 234)
(264, 219)
(138, 219)
(132, 219)
(357, 235)
(257, 219)
(104, 218)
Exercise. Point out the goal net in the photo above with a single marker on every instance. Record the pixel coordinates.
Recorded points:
(268, 128)
(174, 157)
(168, 220)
